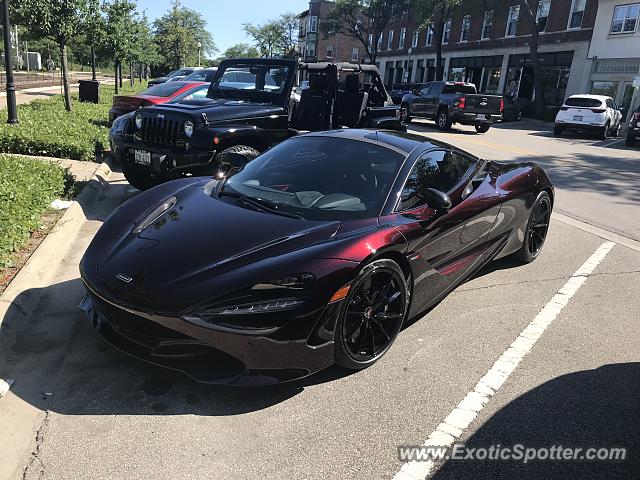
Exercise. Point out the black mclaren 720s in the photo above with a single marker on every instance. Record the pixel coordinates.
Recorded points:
(313, 254)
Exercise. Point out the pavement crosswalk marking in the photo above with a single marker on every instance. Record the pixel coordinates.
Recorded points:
(454, 425)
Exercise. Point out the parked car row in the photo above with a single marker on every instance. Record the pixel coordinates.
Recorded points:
(247, 108)
(596, 114)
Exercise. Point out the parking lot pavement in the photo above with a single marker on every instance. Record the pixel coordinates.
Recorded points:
(597, 182)
(112, 417)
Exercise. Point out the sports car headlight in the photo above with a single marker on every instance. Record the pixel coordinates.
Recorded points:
(138, 121)
(274, 296)
(188, 128)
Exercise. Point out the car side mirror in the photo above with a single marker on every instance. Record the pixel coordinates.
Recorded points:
(439, 199)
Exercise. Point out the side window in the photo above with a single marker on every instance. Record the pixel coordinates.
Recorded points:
(425, 90)
(439, 170)
(436, 89)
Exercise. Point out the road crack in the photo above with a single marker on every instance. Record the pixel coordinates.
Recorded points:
(553, 279)
(35, 461)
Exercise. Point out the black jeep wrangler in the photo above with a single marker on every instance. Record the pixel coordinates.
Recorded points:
(249, 107)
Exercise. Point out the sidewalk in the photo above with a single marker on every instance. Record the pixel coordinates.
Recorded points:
(29, 94)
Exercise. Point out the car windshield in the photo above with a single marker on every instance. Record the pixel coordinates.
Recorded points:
(193, 94)
(163, 89)
(171, 73)
(200, 76)
(247, 81)
(183, 72)
(459, 88)
(320, 178)
(583, 102)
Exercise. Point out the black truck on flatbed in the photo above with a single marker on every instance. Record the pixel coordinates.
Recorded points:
(248, 109)
(453, 102)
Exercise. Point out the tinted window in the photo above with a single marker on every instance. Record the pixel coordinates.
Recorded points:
(583, 102)
(322, 177)
(163, 89)
(459, 88)
(425, 90)
(440, 170)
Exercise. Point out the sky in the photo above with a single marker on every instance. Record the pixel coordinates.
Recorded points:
(225, 17)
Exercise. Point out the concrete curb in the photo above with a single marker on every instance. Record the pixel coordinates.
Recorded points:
(38, 269)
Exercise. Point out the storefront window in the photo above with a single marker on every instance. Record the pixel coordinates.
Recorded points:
(457, 74)
(490, 80)
(604, 88)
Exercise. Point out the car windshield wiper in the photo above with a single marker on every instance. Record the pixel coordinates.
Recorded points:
(259, 203)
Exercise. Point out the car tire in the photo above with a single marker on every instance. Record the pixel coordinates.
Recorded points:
(374, 310)
(615, 132)
(482, 127)
(249, 153)
(407, 113)
(604, 133)
(443, 121)
(630, 142)
(557, 131)
(536, 230)
(140, 177)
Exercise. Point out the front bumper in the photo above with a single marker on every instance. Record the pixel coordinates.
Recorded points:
(210, 354)
(163, 158)
(472, 118)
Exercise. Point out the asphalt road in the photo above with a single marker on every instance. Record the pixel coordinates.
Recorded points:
(111, 417)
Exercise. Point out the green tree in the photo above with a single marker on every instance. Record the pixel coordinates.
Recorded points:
(364, 20)
(120, 36)
(241, 50)
(59, 20)
(290, 26)
(435, 14)
(178, 33)
(267, 37)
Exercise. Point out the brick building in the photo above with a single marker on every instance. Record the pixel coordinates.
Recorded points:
(313, 47)
(489, 46)
(614, 54)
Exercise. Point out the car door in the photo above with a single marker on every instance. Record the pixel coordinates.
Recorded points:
(418, 103)
(444, 246)
(432, 99)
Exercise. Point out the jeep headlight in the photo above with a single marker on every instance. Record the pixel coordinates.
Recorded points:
(188, 128)
(138, 121)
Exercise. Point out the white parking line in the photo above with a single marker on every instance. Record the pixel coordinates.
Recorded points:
(453, 426)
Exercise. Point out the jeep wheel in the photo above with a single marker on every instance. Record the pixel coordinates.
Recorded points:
(443, 120)
(140, 177)
(223, 158)
(482, 127)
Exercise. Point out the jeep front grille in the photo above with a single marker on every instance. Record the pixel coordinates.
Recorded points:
(159, 130)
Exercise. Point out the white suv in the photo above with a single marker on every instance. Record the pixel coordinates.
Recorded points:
(589, 113)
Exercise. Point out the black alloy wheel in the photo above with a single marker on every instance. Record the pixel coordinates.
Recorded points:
(372, 316)
(443, 120)
(482, 127)
(405, 112)
(537, 228)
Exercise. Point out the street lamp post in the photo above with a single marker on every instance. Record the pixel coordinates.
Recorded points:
(12, 114)
(406, 72)
(199, 47)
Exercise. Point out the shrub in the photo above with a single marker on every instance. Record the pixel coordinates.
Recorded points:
(27, 187)
(46, 129)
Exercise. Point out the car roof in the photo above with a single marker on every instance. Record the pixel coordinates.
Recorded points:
(588, 95)
(399, 141)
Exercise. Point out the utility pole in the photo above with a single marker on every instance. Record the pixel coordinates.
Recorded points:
(12, 114)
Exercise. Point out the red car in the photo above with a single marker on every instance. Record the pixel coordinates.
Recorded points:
(154, 95)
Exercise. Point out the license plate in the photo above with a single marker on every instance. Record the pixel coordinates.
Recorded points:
(481, 116)
(577, 118)
(142, 157)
